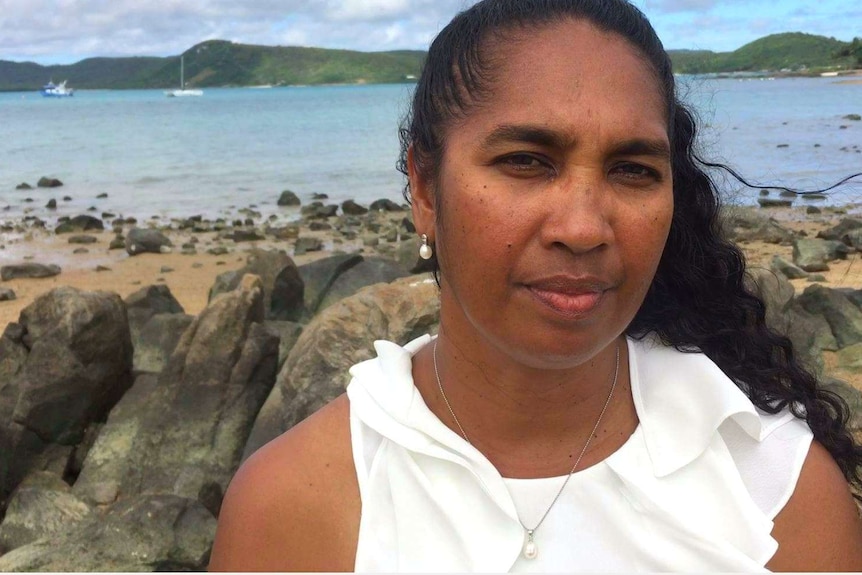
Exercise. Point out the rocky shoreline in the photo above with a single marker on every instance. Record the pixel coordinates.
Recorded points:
(125, 411)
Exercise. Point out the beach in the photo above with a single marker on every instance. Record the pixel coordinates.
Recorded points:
(190, 276)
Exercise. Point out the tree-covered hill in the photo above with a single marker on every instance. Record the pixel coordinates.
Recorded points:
(793, 51)
(220, 63)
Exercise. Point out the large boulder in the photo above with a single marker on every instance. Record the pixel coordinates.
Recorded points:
(288, 198)
(743, 224)
(814, 255)
(368, 272)
(844, 318)
(82, 223)
(147, 302)
(282, 284)
(157, 340)
(148, 533)
(42, 506)
(78, 365)
(185, 434)
(28, 270)
(144, 240)
(319, 275)
(839, 232)
(316, 371)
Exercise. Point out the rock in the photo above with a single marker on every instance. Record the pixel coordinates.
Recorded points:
(82, 223)
(218, 251)
(351, 208)
(7, 294)
(42, 506)
(149, 533)
(850, 358)
(288, 332)
(23, 186)
(810, 334)
(45, 182)
(774, 203)
(318, 277)
(316, 210)
(742, 224)
(813, 210)
(148, 302)
(191, 428)
(810, 196)
(407, 225)
(83, 239)
(844, 318)
(282, 285)
(319, 226)
(157, 340)
(813, 255)
(316, 369)
(246, 236)
(852, 117)
(284, 233)
(853, 239)
(288, 198)
(838, 232)
(77, 368)
(28, 270)
(52, 204)
(140, 240)
(118, 243)
(319, 196)
(305, 244)
(368, 272)
(102, 196)
(775, 291)
(385, 206)
(787, 269)
(286, 300)
(80, 251)
(849, 394)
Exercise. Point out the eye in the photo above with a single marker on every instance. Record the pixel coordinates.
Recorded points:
(636, 173)
(525, 164)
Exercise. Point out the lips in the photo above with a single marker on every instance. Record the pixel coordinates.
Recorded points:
(569, 296)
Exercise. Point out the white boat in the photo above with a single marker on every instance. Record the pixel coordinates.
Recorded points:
(52, 90)
(183, 91)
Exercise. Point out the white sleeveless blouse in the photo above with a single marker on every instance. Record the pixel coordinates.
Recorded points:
(695, 487)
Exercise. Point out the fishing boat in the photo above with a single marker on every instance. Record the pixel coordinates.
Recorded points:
(183, 91)
(52, 90)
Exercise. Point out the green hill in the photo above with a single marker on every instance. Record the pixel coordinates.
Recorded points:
(792, 51)
(221, 63)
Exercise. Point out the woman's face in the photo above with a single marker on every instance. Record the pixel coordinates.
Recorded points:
(555, 197)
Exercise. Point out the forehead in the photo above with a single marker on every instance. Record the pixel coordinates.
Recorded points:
(567, 71)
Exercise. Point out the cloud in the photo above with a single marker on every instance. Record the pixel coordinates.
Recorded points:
(38, 29)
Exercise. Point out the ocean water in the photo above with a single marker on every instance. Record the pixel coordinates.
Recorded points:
(232, 148)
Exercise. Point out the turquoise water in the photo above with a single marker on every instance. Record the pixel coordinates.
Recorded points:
(237, 147)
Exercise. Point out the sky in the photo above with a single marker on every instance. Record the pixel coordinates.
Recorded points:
(66, 31)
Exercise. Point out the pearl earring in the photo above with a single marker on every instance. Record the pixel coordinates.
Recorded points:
(425, 251)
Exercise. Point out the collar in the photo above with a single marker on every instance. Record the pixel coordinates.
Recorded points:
(681, 399)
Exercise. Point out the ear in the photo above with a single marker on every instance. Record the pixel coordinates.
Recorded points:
(422, 199)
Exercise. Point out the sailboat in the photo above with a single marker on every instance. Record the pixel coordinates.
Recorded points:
(182, 91)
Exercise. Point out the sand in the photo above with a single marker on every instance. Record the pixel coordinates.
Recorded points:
(190, 277)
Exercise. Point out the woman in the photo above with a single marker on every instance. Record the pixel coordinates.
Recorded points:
(603, 393)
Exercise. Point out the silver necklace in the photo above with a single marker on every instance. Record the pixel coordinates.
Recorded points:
(531, 549)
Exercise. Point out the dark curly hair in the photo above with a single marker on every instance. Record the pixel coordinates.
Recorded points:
(698, 300)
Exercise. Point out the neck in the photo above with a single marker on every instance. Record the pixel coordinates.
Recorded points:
(528, 421)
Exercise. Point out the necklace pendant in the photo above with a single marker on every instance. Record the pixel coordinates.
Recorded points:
(531, 550)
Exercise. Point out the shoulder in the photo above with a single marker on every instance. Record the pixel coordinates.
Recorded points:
(294, 505)
(819, 529)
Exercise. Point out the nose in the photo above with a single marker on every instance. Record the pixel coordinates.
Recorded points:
(578, 213)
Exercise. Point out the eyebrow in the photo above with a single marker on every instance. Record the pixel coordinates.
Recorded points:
(546, 137)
